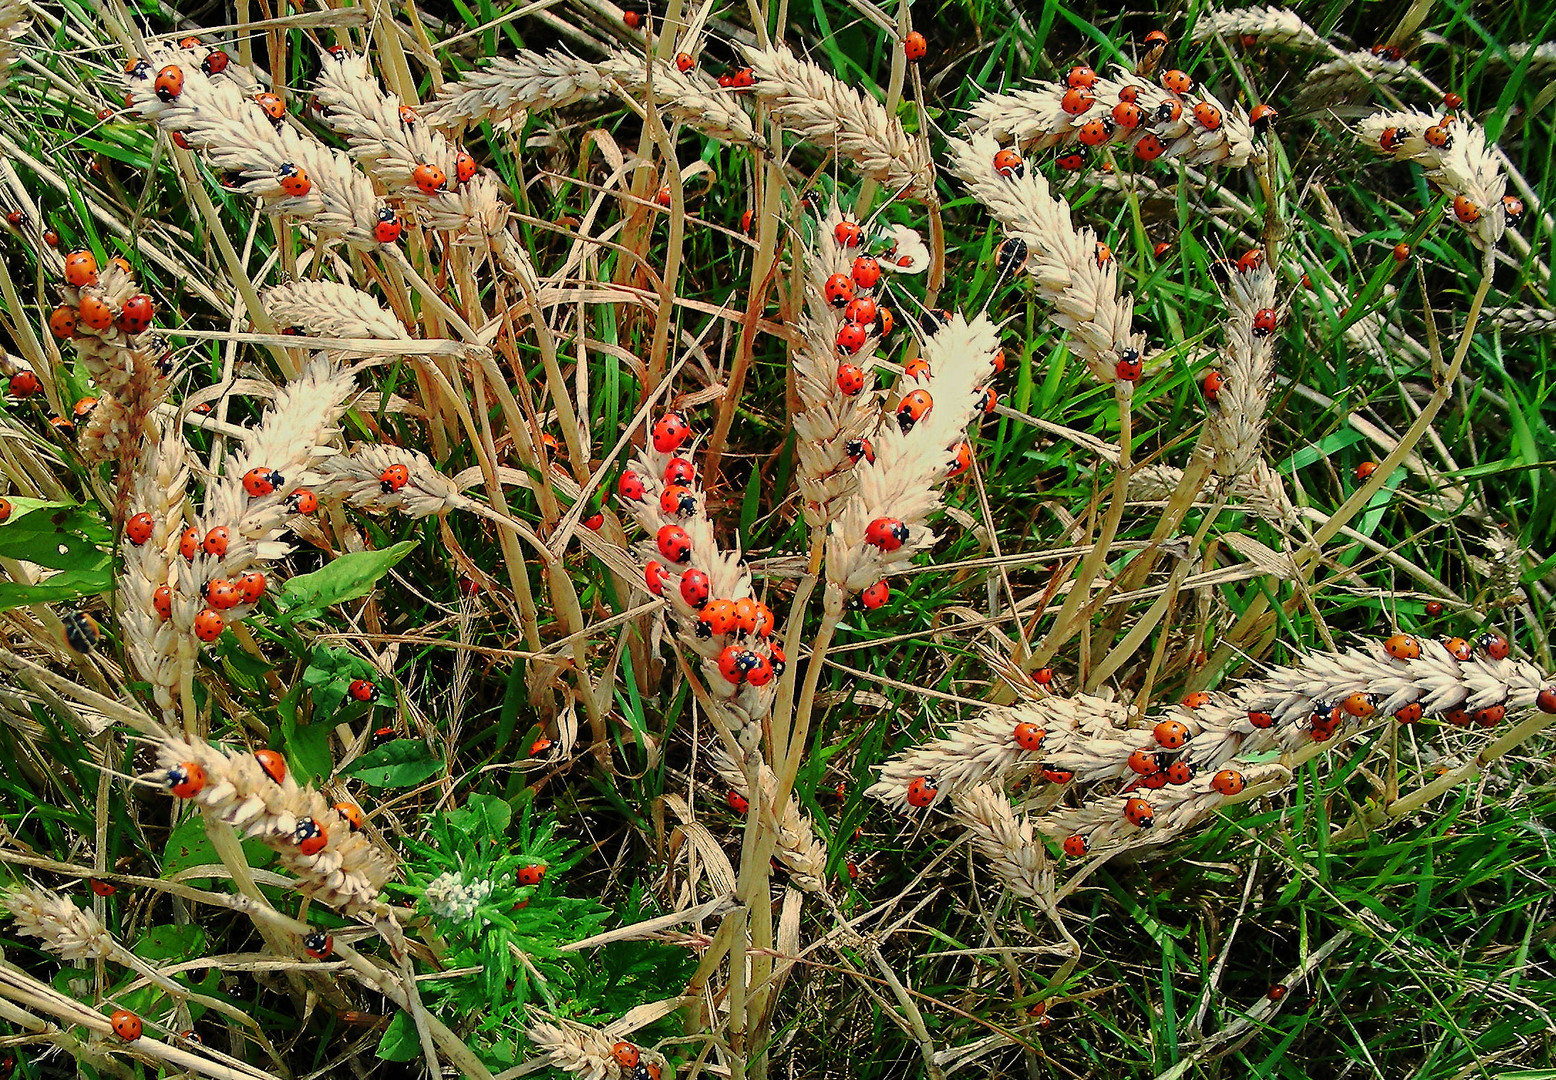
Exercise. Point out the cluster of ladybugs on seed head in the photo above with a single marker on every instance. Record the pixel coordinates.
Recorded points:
(630, 1059)
(1439, 136)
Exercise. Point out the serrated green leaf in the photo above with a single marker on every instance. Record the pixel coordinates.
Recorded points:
(397, 764)
(347, 578)
(399, 1041)
(327, 676)
(482, 816)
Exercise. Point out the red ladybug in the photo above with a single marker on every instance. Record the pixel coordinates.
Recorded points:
(850, 378)
(252, 586)
(62, 324)
(310, 836)
(1545, 700)
(262, 481)
(1008, 164)
(81, 268)
(1139, 813)
(1391, 140)
(915, 47)
(1264, 322)
(139, 529)
(670, 432)
(216, 541)
(1403, 647)
(170, 83)
(962, 461)
(1129, 367)
(162, 602)
(1409, 714)
(839, 290)
(95, 312)
(1173, 734)
(363, 690)
(1491, 715)
(1260, 117)
(272, 106)
(1029, 736)
(1495, 646)
(876, 596)
(1080, 77)
(303, 501)
(888, 534)
(695, 588)
(850, 339)
(1149, 148)
(208, 625)
(1143, 763)
(847, 233)
(1458, 648)
(655, 576)
(1464, 209)
(913, 408)
(1513, 207)
(319, 945)
(1179, 772)
(1227, 782)
(136, 314)
(102, 888)
(25, 384)
(677, 500)
(1434, 608)
(1198, 699)
(387, 231)
(1458, 716)
(626, 1054)
(737, 802)
(185, 780)
(862, 311)
(922, 791)
(215, 62)
(866, 273)
(1208, 116)
(1157, 37)
(1438, 136)
(126, 1024)
(1095, 132)
(1177, 82)
(857, 449)
(674, 543)
(1076, 845)
(429, 178)
(1056, 776)
(393, 479)
(630, 487)
(1128, 115)
(352, 813)
(716, 618)
(1077, 100)
(539, 746)
(465, 168)
(735, 663)
(273, 764)
(222, 594)
(1072, 161)
(532, 874)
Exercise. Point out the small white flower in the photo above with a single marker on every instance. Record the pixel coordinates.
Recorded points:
(451, 897)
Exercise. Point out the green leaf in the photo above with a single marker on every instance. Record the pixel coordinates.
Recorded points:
(347, 578)
(328, 674)
(62, 587)
(189, 845)
(397, 764)
(399, 1041)
(169, 942)
(482, 815)
(59, 536)
(307, 746)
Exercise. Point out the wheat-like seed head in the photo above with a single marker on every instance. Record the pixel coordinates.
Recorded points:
(584, 1051)
(1468, 167)
(75, 934)
(1348, 73)
(1008, 842)
(357, 476)
(1236, 428)
(330, 309)
(13, 25)
(691, 97)
(1265, 25)
(799, 850)
(507, 89)
(824, 110)
(158, 486)
(1524, 320)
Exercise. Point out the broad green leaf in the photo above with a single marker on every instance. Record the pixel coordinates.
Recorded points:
(62, 587)
(307, 746)
(399, 1041)
(397, 764)
(169, 942)
(61, 537)
(188, 845)
(482, 815)
(328, 674)
(347, 578)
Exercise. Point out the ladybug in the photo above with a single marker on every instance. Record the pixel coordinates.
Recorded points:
(81, 268)
(1056, 776)
(1401, 252)
(294, 180)
(122, 263)
(737, 802)
(1143, 763)
(962, 461)
(162, 602)
(1156, 37)
(1080, 77)
(888, 534)
(1392, 54)
(408, 116)
(922, 791)
(1150, 147)
(208, 625)
(916, 369)
(1077, 100)
(185, 780)
(539, 746)
(1457, 716)
(1464, 209)
(215, 62)
(674, 543)
(170, 83)
(857, 449)
(216, 541)
(1495, 646)
(716, 617)
(126, 1024)
(997, 361)
(988, 400)
(319, 945)
(1128, 115)
(273, 764)
(1129, 367)
(532, 874)
(866, 273)
(251, 586)
(1129, 94)
(393, 479)
(850, 339)
(1154, 781)
(352, 813)
(1095, 132)
(1104, 255)
(1434, 608)
(429, 178)
(1264, 322)
(876, 596)
(839, 290)
(915, 47)
(743, 79)
(62, 324)
(384, 734)
(1228, 782)
(136, 314)
(136, 68)
(778, 661)
(81, 631)
(695, 588)
(51, 238)
(677, 500)
(847, 233)
(1139, 813)
(1207, 115)
(1391, 140)
(1043, 676)
(655, 576)
(363, 690)
(670, 432)
(761, 672)
(625, 1054)
(1250, 261)
(1403, 647)
(1452, 100)
(310, 836)
(25, 384)
(914, 407)
(1261, 117)
(1409, 714)
(1491, 715)
(633, 19)
(1212, 385)
(630, 487)
(1177, 82)
(262, 481)
(1513, 207)
(1073, 160)
(303, 501)
(1458, 648)
(1179, 772)
(850, 377)
(1029, 736)
(1438, 136)
(222, 594)
(663, 196)
(684, 62)
(735, 663)
(1173, 734)
(387, 231)
(1196, 700)
(1008, 164)
(1360, 705)
(1545, 700)
(862, 311)
(746, 220)
(1261, 720)
(272, 106)
(678, 470)
(5, 511)
(95, 313)
(465, 168)
(1076, 845)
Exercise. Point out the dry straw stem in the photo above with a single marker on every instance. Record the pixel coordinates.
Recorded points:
(903, 482)
(1236, 428)
(1264, 24)
(798, 849)
(13, 25)
(1467, 168)
(1063, 261)
(232, 133)
(1007, 841)
(828, 112)
(347, 874)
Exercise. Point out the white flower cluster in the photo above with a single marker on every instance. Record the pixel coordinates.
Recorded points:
(451, 897)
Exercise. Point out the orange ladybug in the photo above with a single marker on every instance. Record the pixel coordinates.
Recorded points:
(189, 543)
(1409, 714)
(1076, 845)
(532, 874)
(1513, 207)
(95, 312)
(1465, 210)
(1207, 115)
(126, 1024)
(273, 764)
(1491, 715)
(81, 268)
(465, 168)
(136, 314)
(1143, 763)
(962, 461)
(1197, 699)
(272, 106)
(303, 501)
(625, 1054)
(1403, 647)
(1177, 82)
(1495, 646)
(1029, 736)
(1174, 734)
(915, 47)
(429, 179)
(1228, 782)
(1262, 720)
(162, 602)
(310, 836)
(1360, 705)
(216, 541)
(1179, 772)
(848, 233)
(62, 324)
(1401, 252)
(294, 180)
(1128, 115)
(261, 481)
(913, 408)
(222, 594)
(185, 780)
(1095, 132)
(387, 231)
(252, 586)
(1391, 140)
(208, 625)
(393, 479)
(1458, 648)
(1077, 100)
(1139, 813)
(170, 83)
(1438, 136)
(1008, 164)
(1212, 385)
(1261, 117)
(922, 791)
(1149, 148)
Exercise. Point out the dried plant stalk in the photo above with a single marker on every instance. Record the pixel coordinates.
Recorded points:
(1236, 429)
(1467, 168)
(798, 849)
(828, 112)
